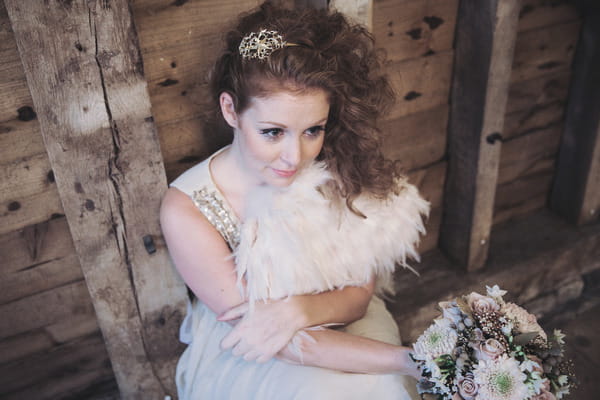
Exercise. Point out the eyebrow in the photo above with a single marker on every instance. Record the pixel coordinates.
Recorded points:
(285, 127)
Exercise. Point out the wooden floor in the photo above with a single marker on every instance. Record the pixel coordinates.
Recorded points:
(583, 347)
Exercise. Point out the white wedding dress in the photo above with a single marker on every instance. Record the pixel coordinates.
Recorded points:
(204, 371)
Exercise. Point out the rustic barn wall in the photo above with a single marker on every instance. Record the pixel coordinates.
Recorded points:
(546, 42)
(418, 38)
(50, 344)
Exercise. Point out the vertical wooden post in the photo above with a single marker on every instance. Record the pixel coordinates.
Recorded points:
(85, 73)
(360, 11)
(576, 191)
(485, 40)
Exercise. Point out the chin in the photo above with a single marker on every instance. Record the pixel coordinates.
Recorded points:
(280, 182)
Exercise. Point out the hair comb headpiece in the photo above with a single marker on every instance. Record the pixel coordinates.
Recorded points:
(261, 44)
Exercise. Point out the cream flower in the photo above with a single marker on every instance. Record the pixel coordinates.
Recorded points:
(467, 387)
(438, 339)
(544, 395)
(559, 336)
(495, 291)
(491, 349)
(525, 322)
(481, 304)
(501, 379)
(451, 312)
(562, 391)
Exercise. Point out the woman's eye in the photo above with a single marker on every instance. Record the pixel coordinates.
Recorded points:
(271, 132)
(315, 130)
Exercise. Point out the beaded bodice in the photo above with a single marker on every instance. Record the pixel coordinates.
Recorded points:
(197, 182)
(212, 205)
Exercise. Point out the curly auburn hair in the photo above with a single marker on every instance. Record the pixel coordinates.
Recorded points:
(333, 55)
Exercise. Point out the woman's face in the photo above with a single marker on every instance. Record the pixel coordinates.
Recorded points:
(278, 135)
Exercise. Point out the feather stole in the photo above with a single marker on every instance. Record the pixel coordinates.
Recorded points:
(295, 241)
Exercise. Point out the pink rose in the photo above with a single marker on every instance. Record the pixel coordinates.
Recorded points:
(526, 322)
(467, 387)
(481, 304)
(491, 349)
(544, 395)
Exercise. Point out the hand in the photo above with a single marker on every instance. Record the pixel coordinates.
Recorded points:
(262, 333)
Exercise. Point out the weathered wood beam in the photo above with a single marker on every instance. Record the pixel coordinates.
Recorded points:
(84, 70)
(413, 28)
(360, 11)
(576, 191)
(484, 47)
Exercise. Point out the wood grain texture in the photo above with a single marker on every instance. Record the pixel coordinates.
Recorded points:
(413, 28)
(179, 42)
(36, 259)
(416, 140)
(530, 153)
(485, 40)
(12, 77)
(538, 13)
(51, 373)
(533, 93)
(544, 50)
(421, 83)
(576, 191)
(95, 117)
(26, 195)
(45, 308)
(430, 181)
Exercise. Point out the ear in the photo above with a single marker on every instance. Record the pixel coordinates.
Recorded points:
(228, 109)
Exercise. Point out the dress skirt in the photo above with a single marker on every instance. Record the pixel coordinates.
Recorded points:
(205, 371)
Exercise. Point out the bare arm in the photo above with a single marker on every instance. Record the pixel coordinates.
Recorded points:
(202, 258)
(199, 252)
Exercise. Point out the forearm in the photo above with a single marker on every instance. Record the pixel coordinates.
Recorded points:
(336, 306)
(350, 353)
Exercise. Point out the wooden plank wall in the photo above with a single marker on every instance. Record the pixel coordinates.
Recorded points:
(95, 117)
(417, 36)
(546, 41)
(50, 345)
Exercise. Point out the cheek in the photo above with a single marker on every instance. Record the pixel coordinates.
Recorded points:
(257, 148)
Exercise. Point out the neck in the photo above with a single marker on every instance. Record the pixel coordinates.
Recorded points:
(232, 178)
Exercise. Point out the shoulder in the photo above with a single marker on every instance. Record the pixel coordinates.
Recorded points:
(193, 178)
(197, 176)
(181, 220)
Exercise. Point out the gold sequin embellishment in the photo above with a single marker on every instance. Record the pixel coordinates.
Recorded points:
(214, 210)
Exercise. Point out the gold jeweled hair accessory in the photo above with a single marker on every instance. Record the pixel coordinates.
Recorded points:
(261, 44)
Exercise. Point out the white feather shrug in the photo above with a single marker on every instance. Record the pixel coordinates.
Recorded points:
(297, 241)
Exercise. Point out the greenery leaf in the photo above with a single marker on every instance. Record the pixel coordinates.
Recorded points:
(524, 338)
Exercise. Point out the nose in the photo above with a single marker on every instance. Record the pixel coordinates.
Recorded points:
(291, 153)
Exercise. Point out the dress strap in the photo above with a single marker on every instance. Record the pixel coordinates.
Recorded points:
(197, 182)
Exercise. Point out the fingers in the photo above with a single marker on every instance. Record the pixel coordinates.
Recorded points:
(234, 313)
(230, 340)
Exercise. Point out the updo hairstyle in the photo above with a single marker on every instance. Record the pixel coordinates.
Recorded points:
(331, 54)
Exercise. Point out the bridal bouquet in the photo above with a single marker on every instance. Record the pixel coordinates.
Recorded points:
(483, 348)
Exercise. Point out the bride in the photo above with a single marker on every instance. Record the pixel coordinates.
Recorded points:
(289, 236)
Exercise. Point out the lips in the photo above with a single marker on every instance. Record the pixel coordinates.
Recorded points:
(284, 173)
